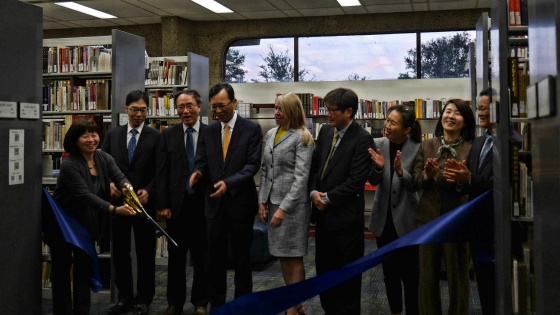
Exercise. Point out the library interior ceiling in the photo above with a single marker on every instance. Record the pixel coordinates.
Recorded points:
(136, 12)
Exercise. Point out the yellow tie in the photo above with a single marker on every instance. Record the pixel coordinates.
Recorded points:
(225, 143)
(330, 153)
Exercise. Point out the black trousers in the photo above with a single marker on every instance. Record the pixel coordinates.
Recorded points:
(145, 243)
(63, 256)
(483, 260)
(188, 230)
(401, 267)
(335, 249)
(239, 232)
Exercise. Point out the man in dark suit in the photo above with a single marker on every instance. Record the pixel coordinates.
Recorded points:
(183, 205)
(228, 156)
(340, 167)
(134, 148)
(475, 176)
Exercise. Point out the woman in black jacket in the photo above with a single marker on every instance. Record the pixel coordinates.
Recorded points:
(83, 191)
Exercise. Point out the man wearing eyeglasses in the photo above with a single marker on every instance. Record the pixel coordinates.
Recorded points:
(339, 169)
(475, 176)
(134, 148)
(228, 156)
(183, 205)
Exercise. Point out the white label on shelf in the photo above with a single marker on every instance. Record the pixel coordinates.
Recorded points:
(29, 110)
(204, 119)
(8, 109)
(123, 119)
(16, 162)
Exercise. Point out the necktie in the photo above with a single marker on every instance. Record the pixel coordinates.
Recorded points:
(485, 149)
(335, 138)
(190, 156)
(132, 144)
(225, 144)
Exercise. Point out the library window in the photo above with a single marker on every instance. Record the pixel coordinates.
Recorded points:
(349, 58)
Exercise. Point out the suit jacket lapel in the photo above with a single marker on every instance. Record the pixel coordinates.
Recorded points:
(237, 130)
(284, 137)
(180, 141)
(342, 144)
(218, 141)
(121, 143)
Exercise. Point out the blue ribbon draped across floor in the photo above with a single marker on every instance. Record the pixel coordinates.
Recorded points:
(451, 226)
(72, 232)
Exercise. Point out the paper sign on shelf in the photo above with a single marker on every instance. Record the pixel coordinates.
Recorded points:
(8, 109)
(29, 110)
(16, 161)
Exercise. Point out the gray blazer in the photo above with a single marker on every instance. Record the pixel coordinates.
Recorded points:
(285, 170)
(404, 200)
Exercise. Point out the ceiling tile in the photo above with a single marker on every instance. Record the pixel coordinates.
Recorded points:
(123, 22)
(148, 5)
(61, 13)
(313, 4)
(118, 8)
(244, 5)
(376, 2)
(263, 15)
(280, 4)
(202, 17)
(417, 7)
(53, 26)
(483, 4)
(354, 10)
(321, 11)
(452, 5)
(146, 20)
(94, 23)
(292, 13)
(389, 8)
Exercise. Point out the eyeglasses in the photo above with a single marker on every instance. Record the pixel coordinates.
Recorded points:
(482, 108)
(220, 106)
(135, 110)
(188, 107)
(332, 110)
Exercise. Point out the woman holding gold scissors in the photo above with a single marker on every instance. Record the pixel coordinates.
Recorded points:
(83, 191)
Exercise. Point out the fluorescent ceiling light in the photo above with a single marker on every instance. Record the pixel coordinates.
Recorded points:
(86, 10)
(213, 6)
(349, 3)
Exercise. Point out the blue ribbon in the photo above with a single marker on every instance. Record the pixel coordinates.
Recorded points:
(74, 233)
(278, 300)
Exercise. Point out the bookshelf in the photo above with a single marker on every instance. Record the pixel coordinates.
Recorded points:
(20, 227)
(84, 90)
(165, 76)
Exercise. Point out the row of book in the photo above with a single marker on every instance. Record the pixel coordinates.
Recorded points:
(166, 72)
(244, 109)
(74, 59)
(161, 103)
(517, 10)
(374, 109)
(315, 127)
(518, 81)
(54, 130)
(77, 95)
(161, 124)
(519, 52)
(522, 186)
(523, 283)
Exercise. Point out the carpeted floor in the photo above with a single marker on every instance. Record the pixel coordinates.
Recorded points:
(374, 300)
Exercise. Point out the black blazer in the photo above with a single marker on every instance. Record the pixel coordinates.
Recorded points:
(142, 169)
(481, 224)
(344, 177)
(173, 172)
(238, 171)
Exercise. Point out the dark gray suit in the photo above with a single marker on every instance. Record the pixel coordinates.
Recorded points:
(187, 225)
(340, 227)
(233, 213)
(141, 172)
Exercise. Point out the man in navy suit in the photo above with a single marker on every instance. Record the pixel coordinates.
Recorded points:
(475, 176)
(183, 205)
(339, 169)
(134, 148)
(228, 156)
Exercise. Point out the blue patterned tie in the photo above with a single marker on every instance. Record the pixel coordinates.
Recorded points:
(132, 144)
(190, 156)
(486, 148)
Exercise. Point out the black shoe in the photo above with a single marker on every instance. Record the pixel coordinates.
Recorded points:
(121, 307)
(173, 310)
(141, 309)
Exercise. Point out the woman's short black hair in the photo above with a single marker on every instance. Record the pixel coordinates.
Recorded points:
(76, 130)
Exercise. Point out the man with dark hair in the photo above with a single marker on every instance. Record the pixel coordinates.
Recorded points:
(340, 167)
(183, 205)
(134, 148)
(228, 156)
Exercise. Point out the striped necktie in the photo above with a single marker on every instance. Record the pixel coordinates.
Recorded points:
(132, 144)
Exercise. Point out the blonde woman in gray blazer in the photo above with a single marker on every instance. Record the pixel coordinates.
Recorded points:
(283, 189)
(395, 202)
